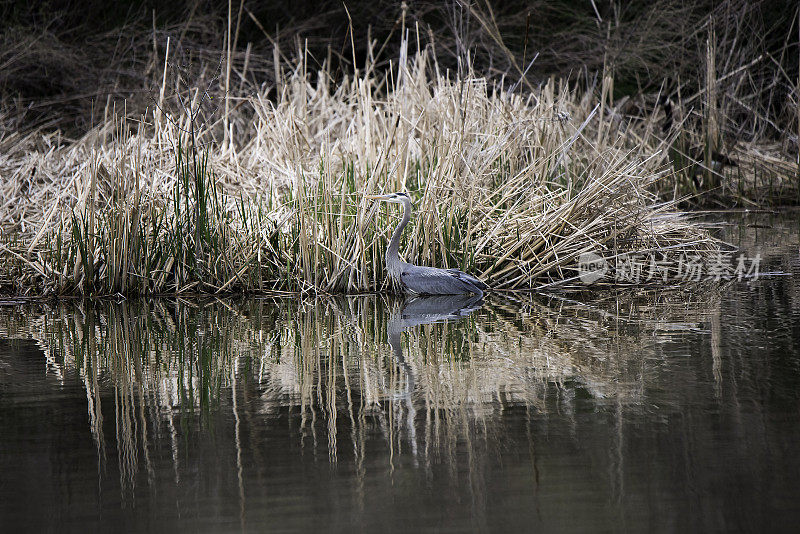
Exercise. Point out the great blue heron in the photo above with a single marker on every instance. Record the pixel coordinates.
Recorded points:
(418, 280)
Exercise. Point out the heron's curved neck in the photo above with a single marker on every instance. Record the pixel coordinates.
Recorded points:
(393, 252)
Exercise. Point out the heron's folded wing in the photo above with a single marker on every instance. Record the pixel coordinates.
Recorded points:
(468, 278)
(432, 281)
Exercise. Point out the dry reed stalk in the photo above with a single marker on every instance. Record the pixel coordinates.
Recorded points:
(711, 122)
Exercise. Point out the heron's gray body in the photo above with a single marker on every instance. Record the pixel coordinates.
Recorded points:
(417, 280)
(432, 281)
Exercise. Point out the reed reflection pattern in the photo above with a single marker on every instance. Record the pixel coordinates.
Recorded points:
(371, 412)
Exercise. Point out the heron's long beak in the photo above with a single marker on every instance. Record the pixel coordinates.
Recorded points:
(376, 197)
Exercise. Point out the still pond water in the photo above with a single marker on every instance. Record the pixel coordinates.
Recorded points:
(595, 412)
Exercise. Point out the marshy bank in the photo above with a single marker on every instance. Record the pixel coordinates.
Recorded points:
(227, 185)
(513, 188)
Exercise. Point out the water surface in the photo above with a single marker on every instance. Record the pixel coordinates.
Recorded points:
(643, 411)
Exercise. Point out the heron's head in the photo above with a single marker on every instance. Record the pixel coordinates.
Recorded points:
(396, 198)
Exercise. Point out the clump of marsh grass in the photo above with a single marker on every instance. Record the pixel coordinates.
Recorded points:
(729, 66)
(512, 188)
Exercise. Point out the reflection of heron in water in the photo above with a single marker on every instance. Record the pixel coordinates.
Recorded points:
(418, 280)
(418, 311)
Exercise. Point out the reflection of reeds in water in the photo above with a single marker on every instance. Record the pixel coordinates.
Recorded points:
(347, 370)
(160, 362)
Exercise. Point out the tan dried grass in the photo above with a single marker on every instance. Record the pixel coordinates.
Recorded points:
(512, 188)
